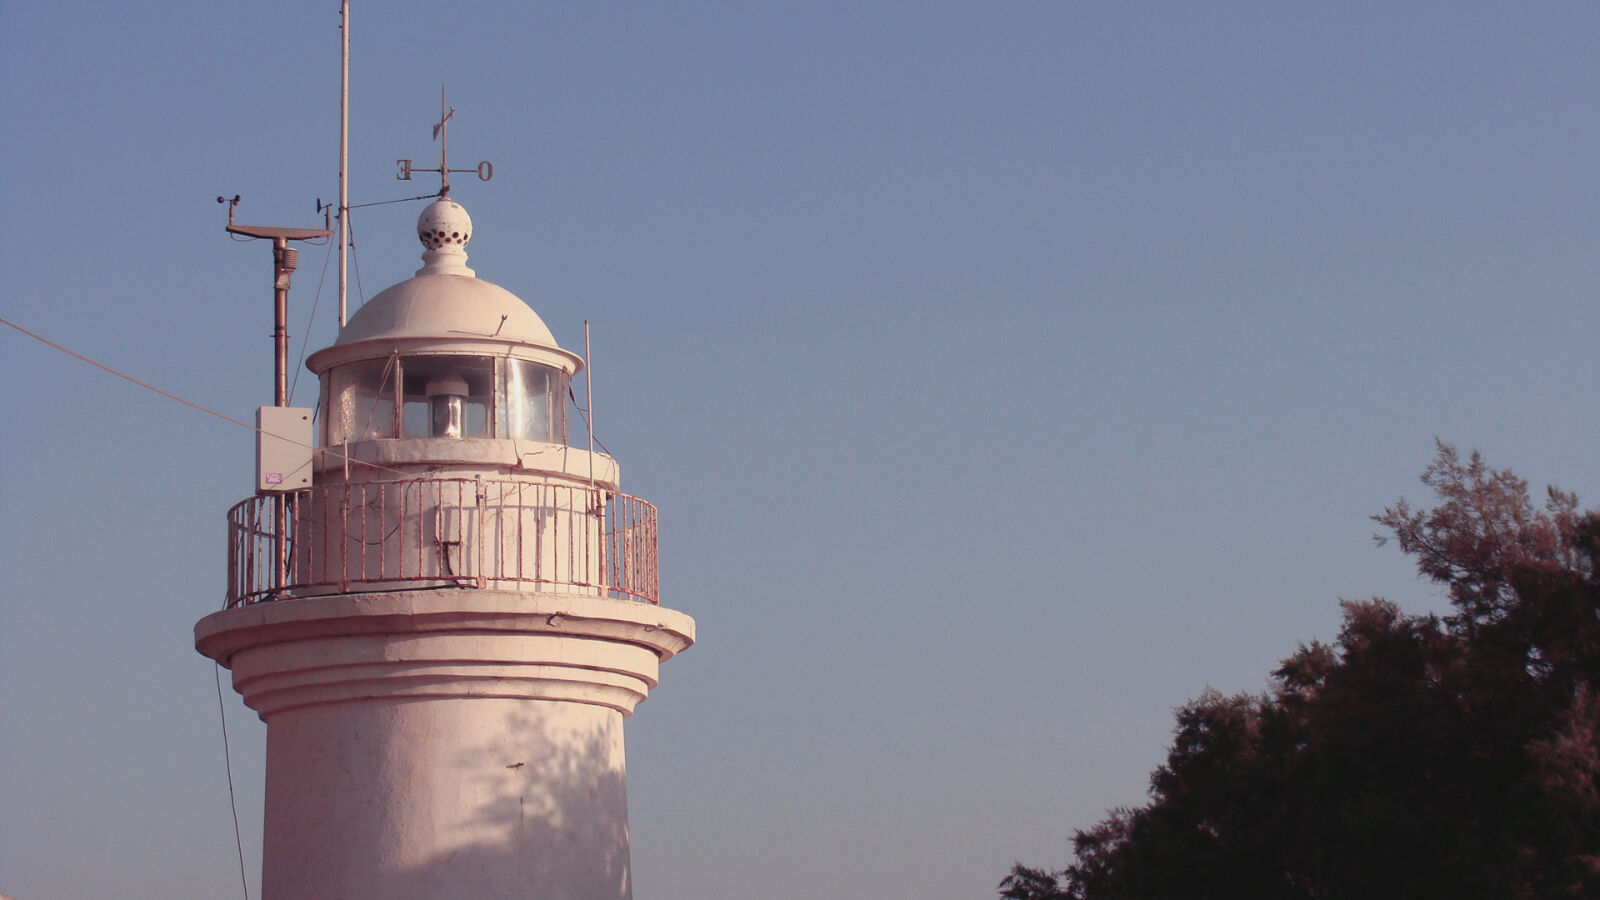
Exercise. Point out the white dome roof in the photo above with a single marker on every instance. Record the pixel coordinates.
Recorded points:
(444, 308)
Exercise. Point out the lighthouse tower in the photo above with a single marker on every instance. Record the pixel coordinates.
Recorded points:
(445, 611)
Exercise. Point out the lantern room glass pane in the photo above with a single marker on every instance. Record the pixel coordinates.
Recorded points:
(361, 401)
(447, 396)
(533, 402)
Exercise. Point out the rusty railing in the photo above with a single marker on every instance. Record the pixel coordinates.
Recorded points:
(442, 532)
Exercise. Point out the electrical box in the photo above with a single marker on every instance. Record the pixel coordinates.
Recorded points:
(283, 448)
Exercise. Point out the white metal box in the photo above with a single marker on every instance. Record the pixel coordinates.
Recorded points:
(283, 448)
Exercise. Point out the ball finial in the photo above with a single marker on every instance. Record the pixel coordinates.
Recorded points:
(444, 223)
(444, 229)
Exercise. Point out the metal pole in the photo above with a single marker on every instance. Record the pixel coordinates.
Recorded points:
(283, 258)
(284, 262)
(280, 538)
(588, 396)
(283, 265)
(344, 147)
(594, 496)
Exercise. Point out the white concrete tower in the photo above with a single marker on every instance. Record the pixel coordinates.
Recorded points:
(445, 628)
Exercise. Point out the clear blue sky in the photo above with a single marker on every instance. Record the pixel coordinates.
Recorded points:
(1004, 374)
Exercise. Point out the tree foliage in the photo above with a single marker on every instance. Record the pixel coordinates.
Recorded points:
(1417, 756)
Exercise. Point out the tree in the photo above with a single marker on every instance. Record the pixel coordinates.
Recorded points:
(1416, 756)
(1032, 884)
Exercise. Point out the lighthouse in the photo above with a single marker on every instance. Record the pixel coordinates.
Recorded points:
(442, 608)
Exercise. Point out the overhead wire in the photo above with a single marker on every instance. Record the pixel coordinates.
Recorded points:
(336, 454)
(227, 764)
(350, 239)
(102, 366)
(305, 339)
(387, 202)
(350, 234)
(355, 262)
(584, 412)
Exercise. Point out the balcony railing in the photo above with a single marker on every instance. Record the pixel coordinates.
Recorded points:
(442, 532)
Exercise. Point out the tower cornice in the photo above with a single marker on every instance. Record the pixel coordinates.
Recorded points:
(434, 644)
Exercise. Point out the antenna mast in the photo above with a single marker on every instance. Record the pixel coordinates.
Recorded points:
(344, 148)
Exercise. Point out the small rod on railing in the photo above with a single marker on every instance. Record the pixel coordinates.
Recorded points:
(344, 538)
(597, 508)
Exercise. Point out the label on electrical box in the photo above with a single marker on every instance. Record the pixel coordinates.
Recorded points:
(283, 448)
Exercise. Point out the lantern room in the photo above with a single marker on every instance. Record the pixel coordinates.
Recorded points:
(444, 355)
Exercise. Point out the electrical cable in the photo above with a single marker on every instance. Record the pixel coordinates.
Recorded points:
(305, 339)
(350, 233)
(189, 403)
(585, 414)
(149, 387)
(387, 202)
(227, 763)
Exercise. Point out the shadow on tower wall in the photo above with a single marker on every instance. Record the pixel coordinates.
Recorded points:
(547, 796)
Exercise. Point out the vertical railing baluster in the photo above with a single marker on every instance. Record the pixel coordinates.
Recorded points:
(344, 539)
(232, 562)
(538, 533)
(478, 540)
(255, 551)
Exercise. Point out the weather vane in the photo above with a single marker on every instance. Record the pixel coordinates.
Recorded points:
(485, 169)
